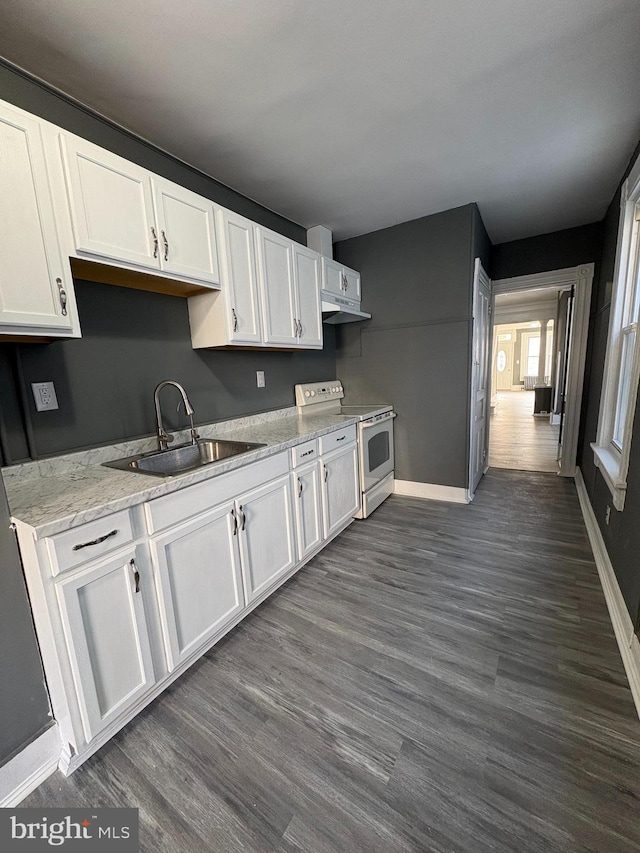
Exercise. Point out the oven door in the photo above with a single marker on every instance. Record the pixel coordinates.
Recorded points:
(376, 450)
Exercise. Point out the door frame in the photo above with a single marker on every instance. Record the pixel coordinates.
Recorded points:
(580, 277)
(479, 274)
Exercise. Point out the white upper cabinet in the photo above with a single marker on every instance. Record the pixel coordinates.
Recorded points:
(306, 267)
(36, 288)
(340, 280)
(121, 212)
(275, 259)
(111, 204)
(186, 232)
(239, 276)
(290, 288)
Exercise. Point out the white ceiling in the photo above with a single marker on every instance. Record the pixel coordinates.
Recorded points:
(358, 114)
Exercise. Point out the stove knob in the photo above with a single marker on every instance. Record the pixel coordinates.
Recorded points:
(313, 393)
(307, 393)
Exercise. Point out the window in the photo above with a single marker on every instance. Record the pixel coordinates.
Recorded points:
(533, 356)
(622, 366)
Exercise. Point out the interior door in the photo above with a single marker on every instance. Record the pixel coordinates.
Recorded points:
(480, 389)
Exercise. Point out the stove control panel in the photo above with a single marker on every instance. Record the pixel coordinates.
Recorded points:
(319, 392)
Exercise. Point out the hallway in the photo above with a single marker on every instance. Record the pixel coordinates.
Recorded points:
(441, 677)
(517, 440)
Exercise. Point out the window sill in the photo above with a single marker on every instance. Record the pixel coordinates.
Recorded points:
(608, 463)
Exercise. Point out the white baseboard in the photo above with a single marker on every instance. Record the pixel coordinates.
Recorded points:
(431, 491)
(29, 768)
(628, 642)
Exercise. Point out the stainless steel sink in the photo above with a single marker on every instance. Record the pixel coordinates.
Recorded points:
(188, 457)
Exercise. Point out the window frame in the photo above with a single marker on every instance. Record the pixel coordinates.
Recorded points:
(611, 459)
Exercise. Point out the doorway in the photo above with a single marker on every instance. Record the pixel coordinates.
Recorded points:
(540, 326)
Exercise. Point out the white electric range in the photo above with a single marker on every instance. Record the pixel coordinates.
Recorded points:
(375, 437)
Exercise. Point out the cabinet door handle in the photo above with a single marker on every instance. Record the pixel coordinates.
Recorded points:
(155, 242)
(136, 574)
(326, 473)
(299, 487)
(300, 327)
(94, 541)
(296, 328)
(166, 246)
(235, 319)
(235, 522)
(244, 518)
(62, 294)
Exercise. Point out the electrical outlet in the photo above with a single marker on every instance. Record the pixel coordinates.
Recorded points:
(607, 515)
(260, 378)
(44, 394)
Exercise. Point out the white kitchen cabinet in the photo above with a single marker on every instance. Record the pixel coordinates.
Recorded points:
(200, 581)
(36, 288)
(233, 315)
(308, 508)
(340, 280)
(107, 637)
(340, 487)
(187, 234)
(290, 290)
(121, 212)
(306, 268)
(266, 535)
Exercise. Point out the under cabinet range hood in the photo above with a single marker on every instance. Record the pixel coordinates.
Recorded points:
(336, 310)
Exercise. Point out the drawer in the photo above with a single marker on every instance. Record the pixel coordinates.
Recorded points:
(338, 438)
(89, 541)
(171, 509)
(303, 453)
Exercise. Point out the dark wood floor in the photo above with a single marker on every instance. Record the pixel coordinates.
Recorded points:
(441, 678)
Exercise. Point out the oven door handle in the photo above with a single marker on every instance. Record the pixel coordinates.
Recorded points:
(372, 423)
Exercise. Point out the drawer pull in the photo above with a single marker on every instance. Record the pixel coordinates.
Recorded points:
(136, 574)
(95, 541)
(342, 438)
(307, 453)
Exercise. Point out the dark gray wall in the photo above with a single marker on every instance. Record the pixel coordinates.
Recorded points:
(622, 535)
(131, 341)
(24, 705)
(414, 352)
(553, 251)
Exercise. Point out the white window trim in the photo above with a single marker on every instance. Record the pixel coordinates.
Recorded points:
(612, 463)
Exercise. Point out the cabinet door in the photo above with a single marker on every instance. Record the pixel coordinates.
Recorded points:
(340, 488)
(332, 279)
(35, 281)
(111, 204)
(309, 313)
(275, 262)
(186, 231)
(200, 584)
(308, 508)
(266, 535)
(107, 638)
(351, 283)
(239, 278)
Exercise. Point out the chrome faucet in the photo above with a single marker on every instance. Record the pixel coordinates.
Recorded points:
(164, 438)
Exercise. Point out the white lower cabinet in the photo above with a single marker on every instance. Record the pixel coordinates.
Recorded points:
(200, 581)
(107, 637)
(126, 602)
(265, 531)
(340, 487)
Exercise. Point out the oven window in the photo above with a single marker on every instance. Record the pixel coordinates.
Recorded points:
(378, 450)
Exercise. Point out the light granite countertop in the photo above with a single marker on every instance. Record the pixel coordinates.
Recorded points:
(62, 492)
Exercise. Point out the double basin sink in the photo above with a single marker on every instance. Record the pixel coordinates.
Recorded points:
(179, 460)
